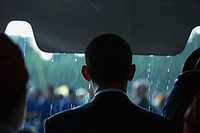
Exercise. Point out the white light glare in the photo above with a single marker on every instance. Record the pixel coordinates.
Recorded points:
(24, 29)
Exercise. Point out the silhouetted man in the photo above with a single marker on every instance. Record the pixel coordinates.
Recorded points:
(109, 67)
(13, 80)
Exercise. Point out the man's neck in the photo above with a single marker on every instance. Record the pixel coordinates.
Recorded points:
(98, 87)
(113, 85)
(106, 86)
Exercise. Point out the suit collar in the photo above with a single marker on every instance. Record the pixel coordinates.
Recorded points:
(110, 96)
(100, 91)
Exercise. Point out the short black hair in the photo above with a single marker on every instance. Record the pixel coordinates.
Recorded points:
(108, 58)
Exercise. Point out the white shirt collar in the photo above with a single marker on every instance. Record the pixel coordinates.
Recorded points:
(109, 90)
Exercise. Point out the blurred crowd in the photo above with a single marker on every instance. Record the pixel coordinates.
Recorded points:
(143, 97)
(42, 103)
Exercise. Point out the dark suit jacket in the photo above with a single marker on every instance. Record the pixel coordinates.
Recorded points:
(108, 112)
(183, 92)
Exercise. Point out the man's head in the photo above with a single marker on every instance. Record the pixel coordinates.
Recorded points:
(108, 59)
(13, 80)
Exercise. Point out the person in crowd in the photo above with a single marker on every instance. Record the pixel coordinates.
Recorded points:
(33, 107)
(140, 90)
(191, 122)
(13, 81)
(50, 106)
(182, 94)
(159, 102)
(185, 88)
(71, 100)
(109, 68)
(83, 95)
(90, 94)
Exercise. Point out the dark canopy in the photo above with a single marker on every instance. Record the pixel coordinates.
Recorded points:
(159, 27)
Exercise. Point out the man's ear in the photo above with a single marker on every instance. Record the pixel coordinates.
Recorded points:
(85, 73)
(131, 72)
